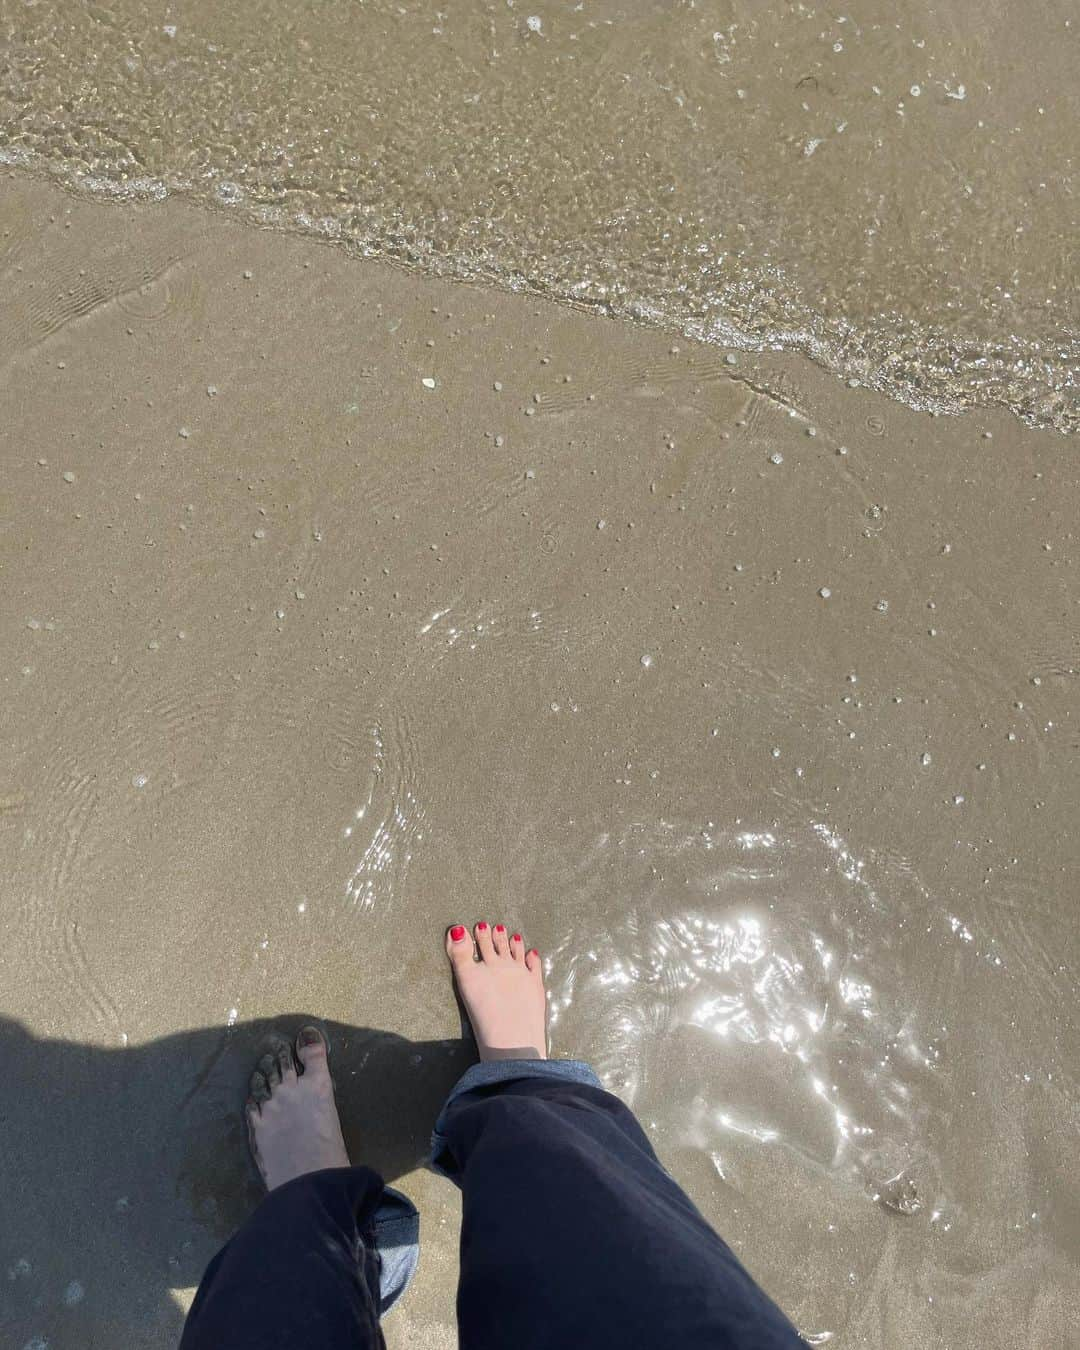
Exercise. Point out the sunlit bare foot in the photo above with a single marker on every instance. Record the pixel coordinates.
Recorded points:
(502, 986)
(292, 1117)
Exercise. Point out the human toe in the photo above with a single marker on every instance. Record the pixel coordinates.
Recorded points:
(484, 944)
(286, 1064)
(258, 1088)
(459, 946)
(270, 1070)
(312, 1049)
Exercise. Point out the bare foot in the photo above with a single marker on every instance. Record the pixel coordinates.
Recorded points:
(503, 988)
(292, 1117)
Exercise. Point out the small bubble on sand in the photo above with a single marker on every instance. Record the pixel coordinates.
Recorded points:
(234, 1013)
(140, 780)
(824, 592)
(123, 1204)
(775, 752)
(529, 412)
(33, 623)
(73, 1294)
(248, 274)
(428, 382)
(300, 595)
(882, 606)
(811, 431)
(183, 433)
(497, 386)
(500, 441)
(36, 1343)
(842, 450)
(279, 613)
(776, 457)
(534, 23)
(301, 908)
(530, 473)
(731, 359)
(958, 800)
(211, 390)
(21, 1270)
(258, 534)
(43, 463)
(69, 477)
(853, 383)
(647, 660)
(601, 524)
(924, 759)
(153, 645)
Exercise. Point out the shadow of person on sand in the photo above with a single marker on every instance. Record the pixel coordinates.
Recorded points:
(123, 1170)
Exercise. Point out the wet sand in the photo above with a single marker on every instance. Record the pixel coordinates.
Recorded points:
(750, 697)
(890, 190)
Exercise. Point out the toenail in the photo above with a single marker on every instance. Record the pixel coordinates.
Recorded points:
(457, 933)
(310, 1036)
(533, 952)
(500, 928)
(517, 938)
(481, 927)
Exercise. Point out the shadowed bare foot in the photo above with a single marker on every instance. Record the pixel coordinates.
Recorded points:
(292, 1117)
(502, 986)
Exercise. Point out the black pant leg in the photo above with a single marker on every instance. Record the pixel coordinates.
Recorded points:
(301, 1274)
(574, 1234)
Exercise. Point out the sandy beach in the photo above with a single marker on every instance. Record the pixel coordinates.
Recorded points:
(340, 603)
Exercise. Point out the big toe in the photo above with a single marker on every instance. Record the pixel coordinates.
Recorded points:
(312, 1050)
(459, 946)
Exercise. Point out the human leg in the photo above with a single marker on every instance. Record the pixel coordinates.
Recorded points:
(330, 1247)
(568, 1216)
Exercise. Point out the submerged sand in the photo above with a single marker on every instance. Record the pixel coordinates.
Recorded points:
(750, 697)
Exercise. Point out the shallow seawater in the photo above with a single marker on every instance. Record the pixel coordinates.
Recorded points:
(342, 602)
(889, 191)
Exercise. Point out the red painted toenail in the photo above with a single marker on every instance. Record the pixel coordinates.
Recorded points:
(500, 928)
(533, 952)
(517, 938)
(457, 933)
(481, 927)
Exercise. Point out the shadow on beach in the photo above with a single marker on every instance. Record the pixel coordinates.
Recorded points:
(123, 1170)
